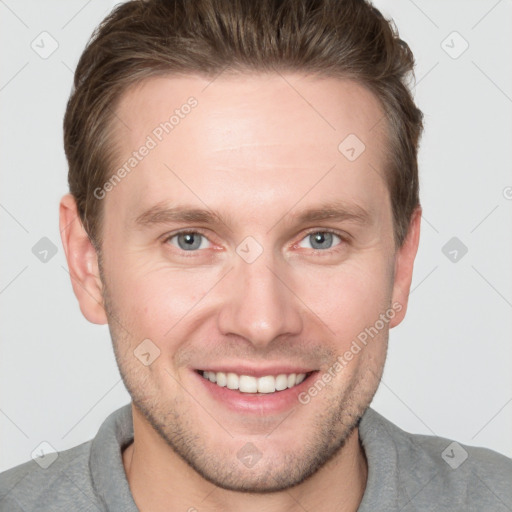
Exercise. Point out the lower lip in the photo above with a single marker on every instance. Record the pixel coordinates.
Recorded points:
(260, 403)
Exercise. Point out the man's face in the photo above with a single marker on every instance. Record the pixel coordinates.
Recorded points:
(260, 291)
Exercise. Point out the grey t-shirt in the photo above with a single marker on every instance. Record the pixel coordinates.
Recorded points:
(406, 472)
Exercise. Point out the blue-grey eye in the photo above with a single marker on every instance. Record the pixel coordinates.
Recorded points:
(319, 240)
(188, 241)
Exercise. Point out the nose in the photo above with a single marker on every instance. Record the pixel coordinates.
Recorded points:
(260, 304)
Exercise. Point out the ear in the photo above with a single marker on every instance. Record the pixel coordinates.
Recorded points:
(404, 262)
(82, 262)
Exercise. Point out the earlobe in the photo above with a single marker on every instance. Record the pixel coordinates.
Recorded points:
(82, 262)
(404, 263)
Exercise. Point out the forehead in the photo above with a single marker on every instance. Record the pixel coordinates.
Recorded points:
(262, 103)
(265, 137)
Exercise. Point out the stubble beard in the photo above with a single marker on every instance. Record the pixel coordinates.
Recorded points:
(168, 417)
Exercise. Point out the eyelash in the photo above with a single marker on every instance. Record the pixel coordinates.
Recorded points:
(343, 238)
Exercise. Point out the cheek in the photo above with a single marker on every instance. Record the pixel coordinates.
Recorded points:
(348, 298)
(154, 300)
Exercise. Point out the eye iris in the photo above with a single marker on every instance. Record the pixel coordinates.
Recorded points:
(322, 238)
(188, 241)
(191, 241)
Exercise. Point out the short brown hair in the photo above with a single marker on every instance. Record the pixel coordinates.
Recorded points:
(144, 38)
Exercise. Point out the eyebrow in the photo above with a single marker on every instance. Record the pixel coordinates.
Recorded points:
(335, 211)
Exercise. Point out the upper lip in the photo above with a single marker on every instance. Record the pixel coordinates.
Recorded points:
(243, 369)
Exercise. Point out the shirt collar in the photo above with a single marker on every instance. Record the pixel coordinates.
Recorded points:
(383, 481)
(106, 462)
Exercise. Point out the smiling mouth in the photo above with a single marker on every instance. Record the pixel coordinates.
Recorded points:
(266, 384)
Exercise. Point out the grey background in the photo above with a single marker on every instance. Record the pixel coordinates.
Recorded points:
(449, 367)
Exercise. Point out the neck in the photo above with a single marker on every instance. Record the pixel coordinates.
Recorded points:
(160, 481)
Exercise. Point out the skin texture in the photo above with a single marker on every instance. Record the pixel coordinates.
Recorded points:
(257, 149)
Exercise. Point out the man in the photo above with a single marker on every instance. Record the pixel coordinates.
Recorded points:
(243, 213)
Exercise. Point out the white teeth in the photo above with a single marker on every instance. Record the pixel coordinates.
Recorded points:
(247, 384)
(221, 379)
(281, 382)
(250, 384)
(266, 384)
(232, 381)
